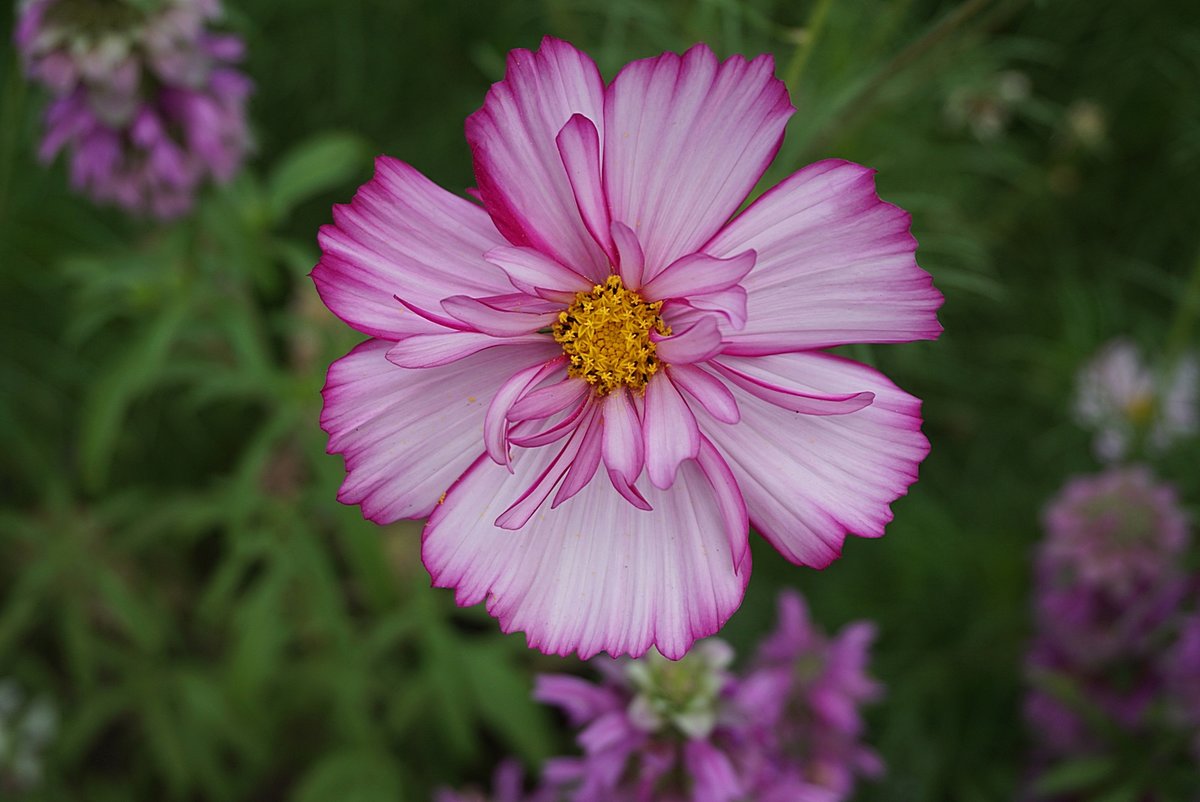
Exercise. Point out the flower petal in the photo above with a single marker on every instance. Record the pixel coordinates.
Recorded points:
(729, 499)
(747, 373)
(403, 235)
(529, 502)
(730, 303)
(623, 449)
(712, 772)
(530, 270)
(685, 140)
(584, 466)
(594, 574)
(550, 400)
(579, 145)
(707, 389)
(809, 481)
(581, 700)
(697, 274)
(408, 434)
(486, 319)
(669, 429)
(517, 163)
(835, 265)
(631, 261)
(432, 350)
(699, 342)
(495, 422)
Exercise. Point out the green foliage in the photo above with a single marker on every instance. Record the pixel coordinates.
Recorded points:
(178, 576)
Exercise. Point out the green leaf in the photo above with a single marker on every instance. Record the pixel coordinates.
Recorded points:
(1074, 775)
(106, 404)
(504, 698)
(351, 776)
(315, 166)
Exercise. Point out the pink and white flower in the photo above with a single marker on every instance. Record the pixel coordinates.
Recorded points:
(594, 382)
(1130, 404)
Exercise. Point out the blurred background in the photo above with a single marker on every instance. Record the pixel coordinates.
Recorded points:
(197, 618)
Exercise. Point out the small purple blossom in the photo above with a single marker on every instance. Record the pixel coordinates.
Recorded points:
(1112, 656)
(145, 103)
(1108, 572)
(1115, 531)
(693, 730)
(814, 687)
(1128, 403)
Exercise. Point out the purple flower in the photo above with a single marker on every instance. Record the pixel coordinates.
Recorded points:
(1127, 402)
(1181, 669)
(1110, 585)
(592, 383)
(1108, 575)
(808, 689)
(1115, 531)
(655, 730)
(507, 786)
(695, 731)
(145, 104)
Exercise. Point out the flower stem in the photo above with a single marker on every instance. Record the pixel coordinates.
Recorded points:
(864, 97)
(806, 44)
(1185, 316)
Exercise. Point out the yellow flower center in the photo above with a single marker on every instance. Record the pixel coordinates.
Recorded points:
(606, 335)
(1140, 409)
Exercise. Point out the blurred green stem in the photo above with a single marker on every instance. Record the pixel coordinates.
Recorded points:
(1185, 316)
(10, 110)
(861, 100)
(804, 47)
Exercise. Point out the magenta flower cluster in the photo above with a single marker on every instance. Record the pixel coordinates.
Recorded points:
(788, 728)
(145, 101)
(1115, 650)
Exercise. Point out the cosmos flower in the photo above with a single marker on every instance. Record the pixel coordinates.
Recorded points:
(146, 102)
(594, 381)
(1128, 403)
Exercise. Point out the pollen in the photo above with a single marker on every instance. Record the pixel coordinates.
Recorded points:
(605, 334)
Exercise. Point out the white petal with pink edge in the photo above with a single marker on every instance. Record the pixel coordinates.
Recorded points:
(669, 429)
(402, 235)
(811, 480)
(407, 435)
(530, 270)
(518, 166)
(835, 265)
(579, 145)
(594, 574)
(685, 140)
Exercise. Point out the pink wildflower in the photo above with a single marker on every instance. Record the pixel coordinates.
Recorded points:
(1128, 403)
(596, 381)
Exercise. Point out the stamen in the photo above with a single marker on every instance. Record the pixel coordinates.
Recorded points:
(606, 335)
